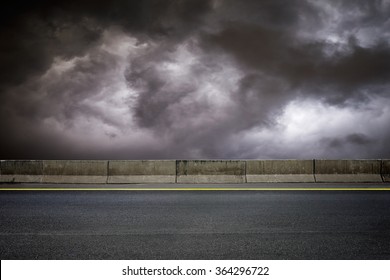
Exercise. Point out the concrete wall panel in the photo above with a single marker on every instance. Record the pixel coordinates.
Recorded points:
(275, 171)
(386, 170)
(141, 171)
(352, 171)
(193, 171)
(75, 171)
(21, 171)
(210, 171)
(280, 178)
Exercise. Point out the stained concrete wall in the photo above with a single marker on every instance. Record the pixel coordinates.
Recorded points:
(385, 170)
(141, 171)
(347, 171)
(193, 171)
(21, 171)
(75, 171)
(275, 171)
(210, 171)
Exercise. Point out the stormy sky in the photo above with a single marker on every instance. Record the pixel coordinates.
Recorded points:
(195, 79)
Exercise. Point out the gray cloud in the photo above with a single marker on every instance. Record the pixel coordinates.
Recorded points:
(354, 139)
(194, 79)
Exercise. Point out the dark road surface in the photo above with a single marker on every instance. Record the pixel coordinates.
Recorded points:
(195, 225)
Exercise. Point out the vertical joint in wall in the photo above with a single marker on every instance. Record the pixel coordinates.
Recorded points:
(177, 170)
(108, 168)
(381, 171)
(245, 171)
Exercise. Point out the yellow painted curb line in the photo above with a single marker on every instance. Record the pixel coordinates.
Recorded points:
(195, 189)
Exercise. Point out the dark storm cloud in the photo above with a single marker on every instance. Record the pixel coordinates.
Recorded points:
(194, 78)
(303, 64)
(266, 38)
(33, 33)
(355, 139)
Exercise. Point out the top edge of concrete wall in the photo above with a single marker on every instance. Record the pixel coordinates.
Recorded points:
(286, 159)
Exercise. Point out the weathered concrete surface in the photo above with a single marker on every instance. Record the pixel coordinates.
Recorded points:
(275, 171)
(141, 171)
(193, 171)
(386, 170)
(347, 171)
(75, 171)
(210, 171)
(21, 171)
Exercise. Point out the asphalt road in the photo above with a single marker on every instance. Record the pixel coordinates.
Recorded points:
(195, 224)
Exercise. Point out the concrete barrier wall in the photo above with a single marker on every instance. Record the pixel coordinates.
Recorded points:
(141, 171)
(352, 171)
(193, 171)
(210, 171)
(276, 171)
(75, 171)
(385, 170)
(21, 171)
